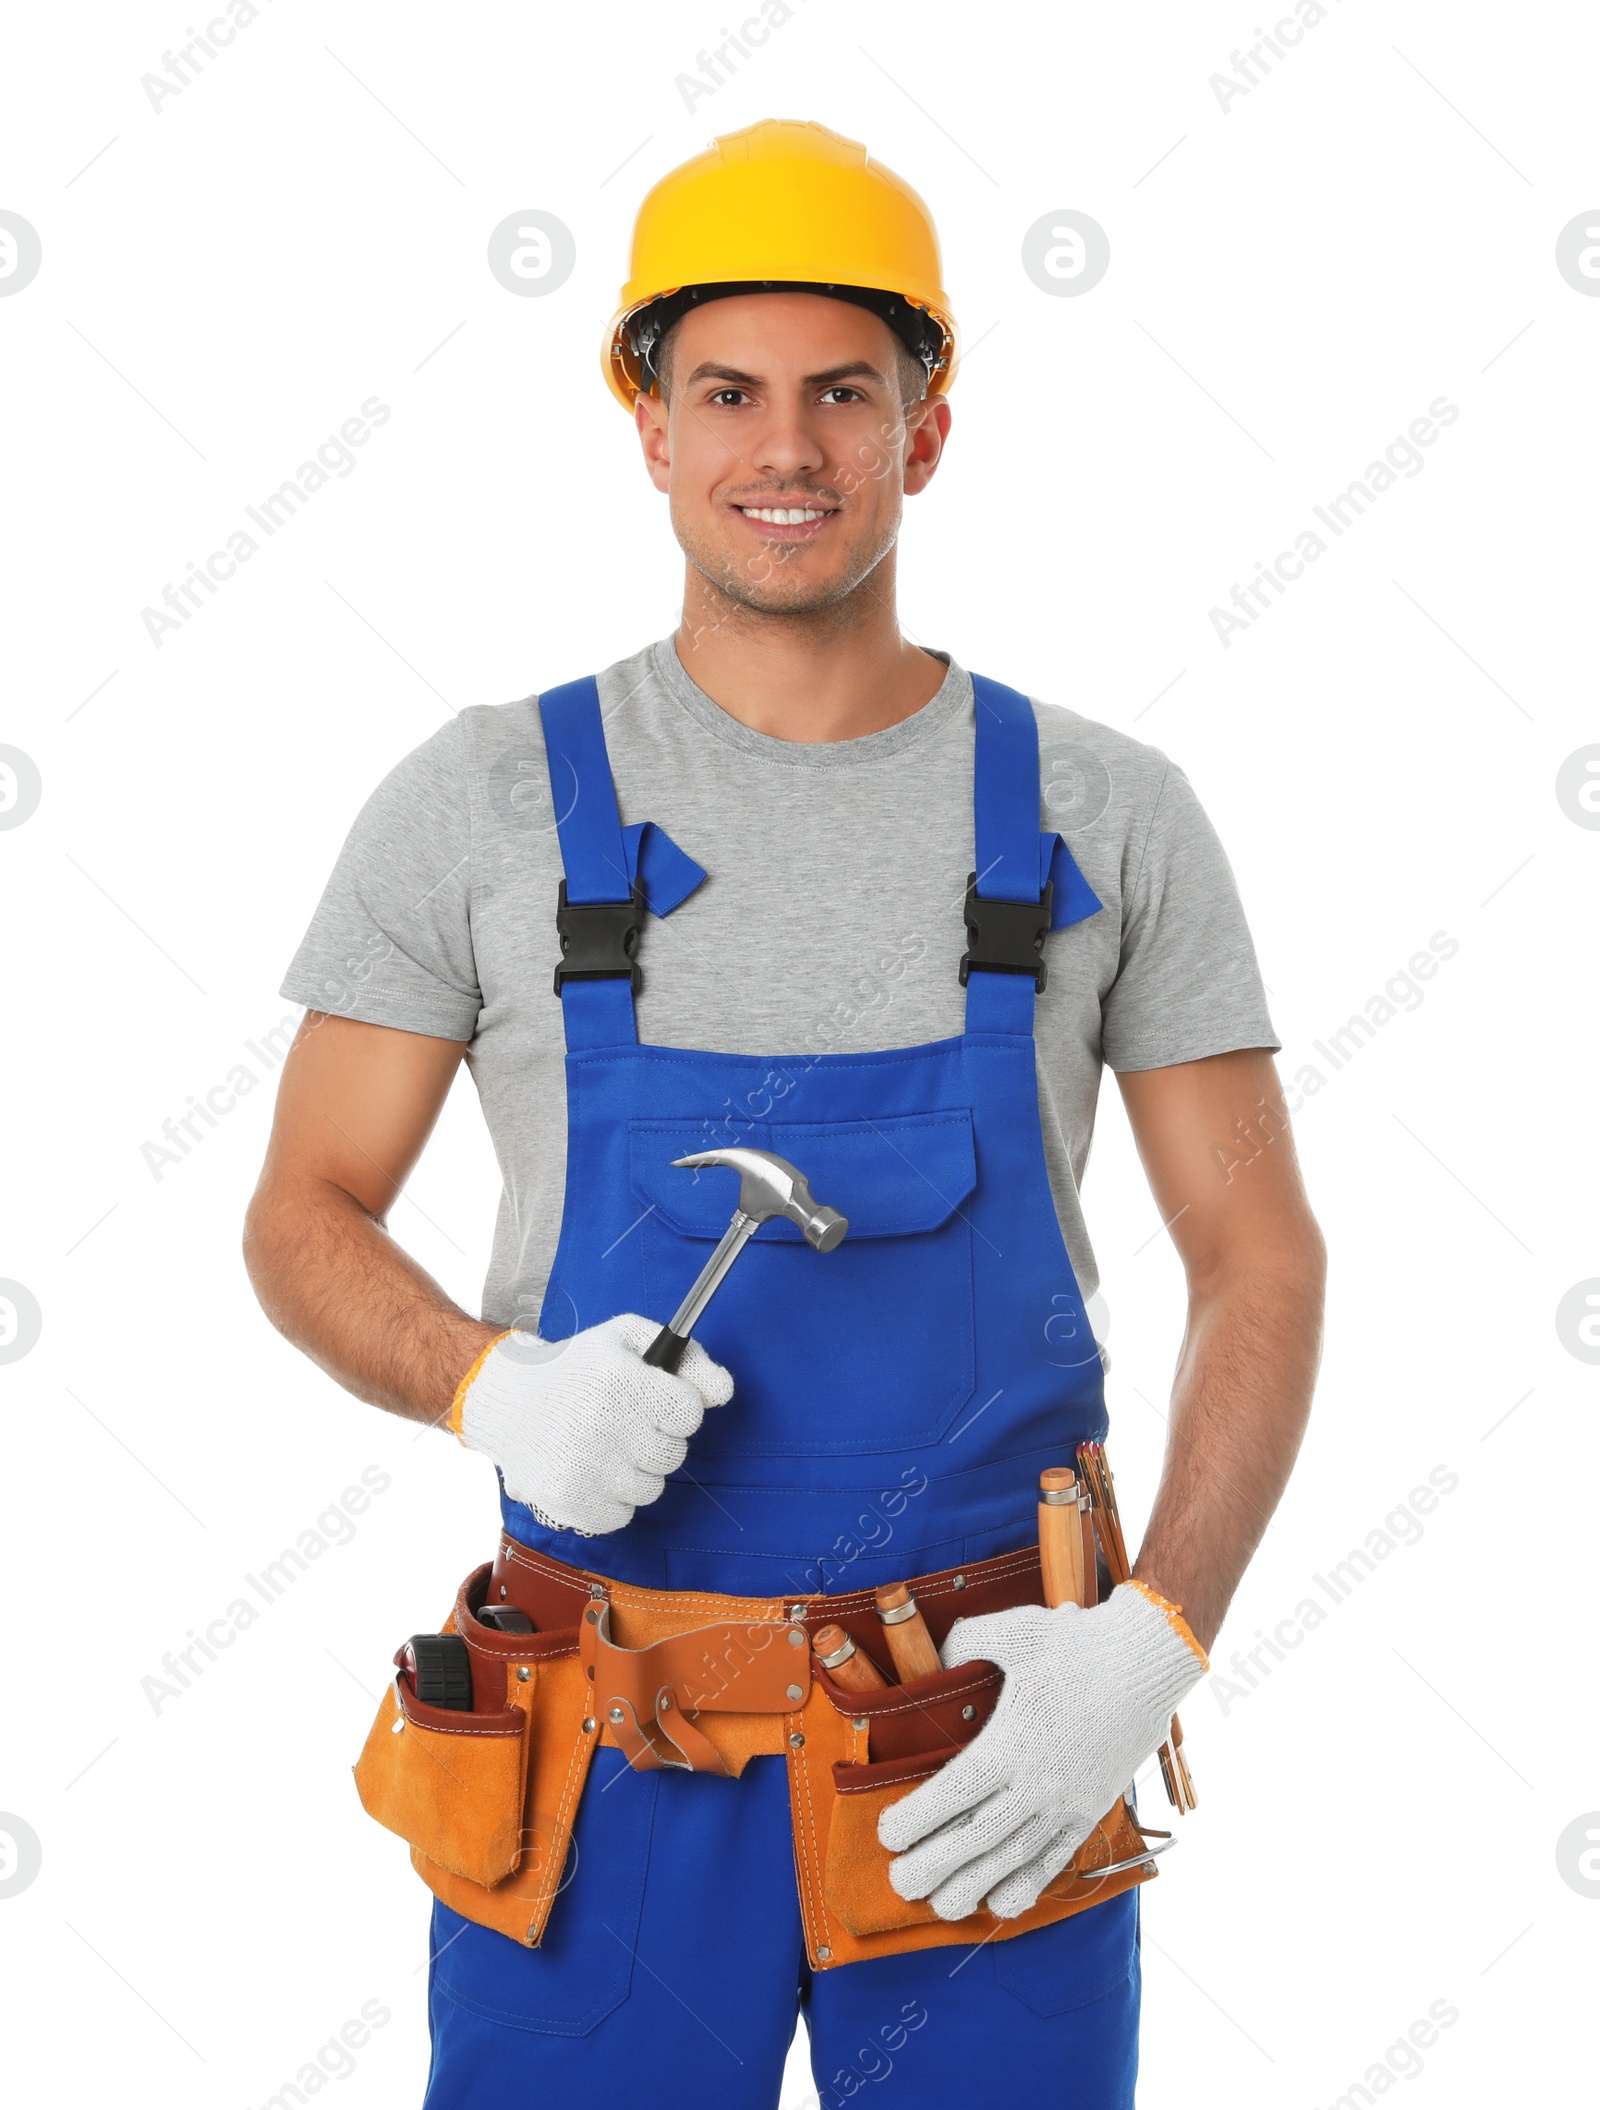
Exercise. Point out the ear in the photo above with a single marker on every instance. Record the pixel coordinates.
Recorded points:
(927, 429)
(650, 418)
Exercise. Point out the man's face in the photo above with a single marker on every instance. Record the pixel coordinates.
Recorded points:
(787, 403)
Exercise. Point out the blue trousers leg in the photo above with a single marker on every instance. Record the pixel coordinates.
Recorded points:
(673, 1970)
(1047, 2018)
(669, 1973)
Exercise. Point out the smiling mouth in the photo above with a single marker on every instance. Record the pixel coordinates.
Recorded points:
(787, 526)
(786, 516)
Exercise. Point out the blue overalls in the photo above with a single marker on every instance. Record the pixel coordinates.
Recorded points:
(894, 1402)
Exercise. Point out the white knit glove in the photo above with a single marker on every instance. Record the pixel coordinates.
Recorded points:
(1088, 1695)
(583, 1430)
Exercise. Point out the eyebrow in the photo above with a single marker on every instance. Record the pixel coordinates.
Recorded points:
(856, 369)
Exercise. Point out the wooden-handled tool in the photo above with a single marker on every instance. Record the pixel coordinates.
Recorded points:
(846, 1664)
(1096, 1471)
(905, 1631)
(1180, 1768)
(1060, 1536)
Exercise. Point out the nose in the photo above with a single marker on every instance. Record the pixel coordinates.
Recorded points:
(788, 444)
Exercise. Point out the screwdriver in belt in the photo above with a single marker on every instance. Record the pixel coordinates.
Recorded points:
(1096, 1470)
(846, 1664)
(1061, 1560)
(905, 1632)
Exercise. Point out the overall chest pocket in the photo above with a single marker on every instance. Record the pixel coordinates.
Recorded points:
(865, 1349)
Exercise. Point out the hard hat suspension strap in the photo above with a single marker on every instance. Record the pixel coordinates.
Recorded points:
(915, 328)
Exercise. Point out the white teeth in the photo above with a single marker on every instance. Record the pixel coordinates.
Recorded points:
(784, 516)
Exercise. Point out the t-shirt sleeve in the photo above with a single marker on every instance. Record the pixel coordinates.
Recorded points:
(391, 940)
(1187, 982)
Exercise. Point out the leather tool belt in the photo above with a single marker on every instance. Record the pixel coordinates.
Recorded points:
(700, 1681)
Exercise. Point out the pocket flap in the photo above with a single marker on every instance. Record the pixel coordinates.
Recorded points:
(903, 1174)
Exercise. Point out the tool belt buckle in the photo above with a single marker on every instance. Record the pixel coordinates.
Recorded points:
(650, 1698)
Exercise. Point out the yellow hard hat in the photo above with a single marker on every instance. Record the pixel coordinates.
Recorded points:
(781, 205)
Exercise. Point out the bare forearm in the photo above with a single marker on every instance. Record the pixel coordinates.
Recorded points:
(333, 1281)
(1240, 1400)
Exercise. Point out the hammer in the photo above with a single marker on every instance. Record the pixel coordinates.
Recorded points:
(768, 1186)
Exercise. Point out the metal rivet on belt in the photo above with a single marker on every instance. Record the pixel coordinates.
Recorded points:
(795, 1692)
(665, 1702)
(503, 1593)
(968, 1712)
(614, 1714)
(523, 1674)
(597, 1589)
(860, 1722)
(588, 1725)
(796, 1741)
(958, 1582)
(824, 1955)
(592, 1614)
(797, 1637)
(797, 1611)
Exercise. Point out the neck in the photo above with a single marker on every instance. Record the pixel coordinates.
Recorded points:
(831, 674)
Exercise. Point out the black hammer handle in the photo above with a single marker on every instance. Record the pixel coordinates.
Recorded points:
(667, 1350)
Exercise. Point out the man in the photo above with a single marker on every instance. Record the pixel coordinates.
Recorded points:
(813, 902)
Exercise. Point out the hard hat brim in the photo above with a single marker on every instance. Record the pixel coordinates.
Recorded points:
(627, 382)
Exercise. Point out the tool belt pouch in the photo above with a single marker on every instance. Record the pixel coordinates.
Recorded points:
(485, 1798)
(898, 1738)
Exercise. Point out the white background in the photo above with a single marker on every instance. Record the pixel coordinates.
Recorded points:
(1292, 282)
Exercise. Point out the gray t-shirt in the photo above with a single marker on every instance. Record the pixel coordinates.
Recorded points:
(830, 919)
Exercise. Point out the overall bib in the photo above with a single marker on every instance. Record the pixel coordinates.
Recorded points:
(894, 1402)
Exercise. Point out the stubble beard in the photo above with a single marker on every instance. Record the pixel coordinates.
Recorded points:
(768, 583)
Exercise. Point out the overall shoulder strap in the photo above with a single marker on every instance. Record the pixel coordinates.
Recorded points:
(587, 820)
(613, 874)
(1005, 793)
(1026, 883)
(597, 975)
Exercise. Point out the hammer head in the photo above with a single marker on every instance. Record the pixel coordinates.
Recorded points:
(771, 1186)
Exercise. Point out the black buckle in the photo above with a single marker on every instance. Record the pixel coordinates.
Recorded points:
(1006, 937)
(599, 938)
